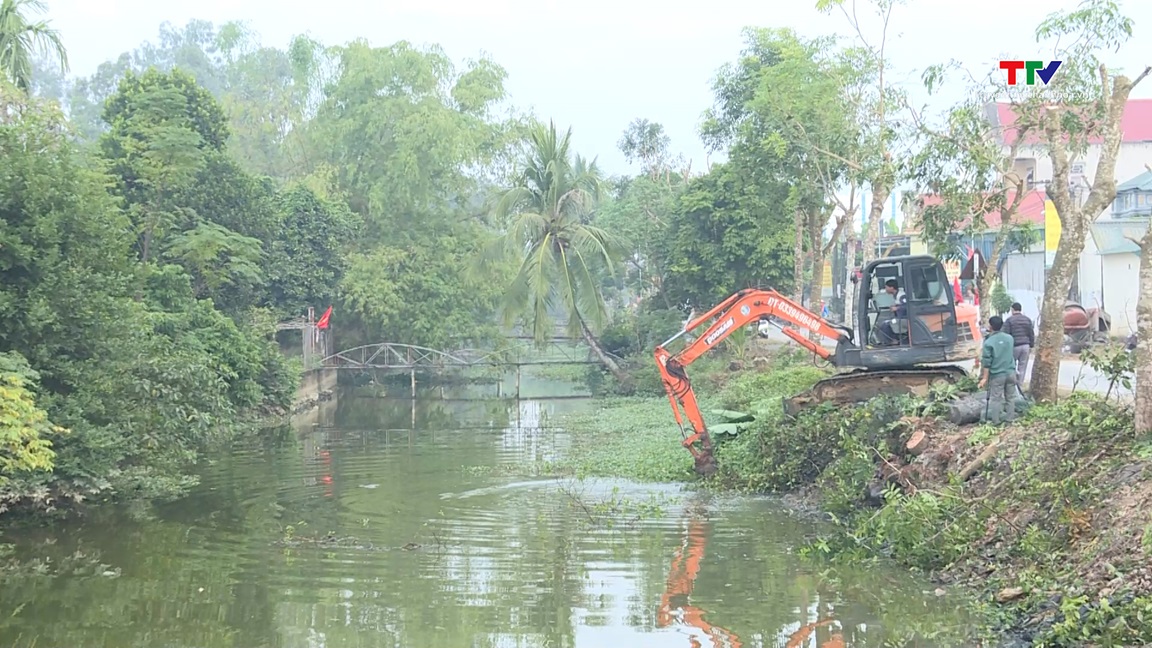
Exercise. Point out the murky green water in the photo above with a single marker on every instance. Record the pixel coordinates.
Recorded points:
(360, 532)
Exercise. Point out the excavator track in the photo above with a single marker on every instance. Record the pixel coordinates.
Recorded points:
(863, 384)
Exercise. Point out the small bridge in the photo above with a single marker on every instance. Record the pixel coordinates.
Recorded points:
(413, 359)
(409, 357)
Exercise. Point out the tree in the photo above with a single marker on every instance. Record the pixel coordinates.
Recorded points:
(963, 173)
(1143, 388)
(25, 430)
(144, 384)
(402, 129)
(875, 99)
(162, 127)
(645, 142)
(21, 40)
(729, 231)
(641, 217)
(560, 255)
(784, 109)
(1083, 102)
(306, 259)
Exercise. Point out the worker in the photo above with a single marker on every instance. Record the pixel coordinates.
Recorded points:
(1023, 333)
(899, 311)
(998, 374)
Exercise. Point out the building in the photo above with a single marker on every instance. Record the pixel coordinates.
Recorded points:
(1116, 252)
(1021, 268)
(1107, 251)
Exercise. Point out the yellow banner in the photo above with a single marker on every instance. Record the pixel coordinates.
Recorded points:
(1051, 227)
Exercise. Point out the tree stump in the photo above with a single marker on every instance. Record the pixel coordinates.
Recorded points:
(917, 443)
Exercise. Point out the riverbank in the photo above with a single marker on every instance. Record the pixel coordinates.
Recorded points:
(1052, 529)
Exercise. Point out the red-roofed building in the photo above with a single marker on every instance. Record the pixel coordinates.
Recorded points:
(1031, 210)
(1034, 163)
(1022, 271)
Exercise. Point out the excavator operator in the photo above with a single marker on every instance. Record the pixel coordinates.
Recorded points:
(891, 328)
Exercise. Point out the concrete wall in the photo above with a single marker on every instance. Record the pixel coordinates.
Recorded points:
(317, 385)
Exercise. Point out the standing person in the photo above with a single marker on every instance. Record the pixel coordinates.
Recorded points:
(998, 373)
(1023, 333)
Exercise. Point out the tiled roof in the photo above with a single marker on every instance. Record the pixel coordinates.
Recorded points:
(1114, 236)
(1031, 210)
(1142, 182)
(1136, 123)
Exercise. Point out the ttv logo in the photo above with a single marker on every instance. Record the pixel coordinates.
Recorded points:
(1032, 69)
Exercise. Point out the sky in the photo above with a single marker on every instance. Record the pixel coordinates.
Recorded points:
(598, 64)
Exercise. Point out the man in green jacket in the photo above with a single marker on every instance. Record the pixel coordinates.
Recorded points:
(998, 373)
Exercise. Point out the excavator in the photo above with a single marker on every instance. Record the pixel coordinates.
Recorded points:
(676, 609)
(910, 336)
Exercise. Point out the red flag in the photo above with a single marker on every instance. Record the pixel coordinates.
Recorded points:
(322, 323)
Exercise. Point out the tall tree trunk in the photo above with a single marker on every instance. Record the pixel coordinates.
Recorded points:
(1143, 387)
(880, 194)
(991, 273)
(817, 220)
(798, 256)
(1045, 381)
(1074, 220)
(621, 376)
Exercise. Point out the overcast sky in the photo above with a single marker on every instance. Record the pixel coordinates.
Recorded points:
(598, 64)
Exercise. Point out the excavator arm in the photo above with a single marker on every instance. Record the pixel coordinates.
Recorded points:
(739, 310)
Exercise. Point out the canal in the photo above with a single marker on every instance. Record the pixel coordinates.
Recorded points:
(382, 522)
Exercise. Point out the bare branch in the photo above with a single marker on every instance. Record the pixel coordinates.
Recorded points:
(1141, 77)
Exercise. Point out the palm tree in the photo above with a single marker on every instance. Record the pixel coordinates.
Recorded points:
(20, 39)
(561, 257)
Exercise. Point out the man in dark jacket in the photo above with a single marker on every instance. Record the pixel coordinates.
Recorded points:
(1023, 333)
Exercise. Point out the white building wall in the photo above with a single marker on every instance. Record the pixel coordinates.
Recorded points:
(1024, 280)
(1129, 164)
(1121, 291)
(1092, 276)
(1115, 298)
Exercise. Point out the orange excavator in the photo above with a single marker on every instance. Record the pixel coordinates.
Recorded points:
(676, 609)
(911, 335)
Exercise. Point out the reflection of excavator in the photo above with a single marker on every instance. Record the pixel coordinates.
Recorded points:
(906, 343)
(682, 577)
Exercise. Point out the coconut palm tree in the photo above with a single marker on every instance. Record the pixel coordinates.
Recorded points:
(21, 38)
(562, 258)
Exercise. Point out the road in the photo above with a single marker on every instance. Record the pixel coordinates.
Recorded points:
(1074, 375)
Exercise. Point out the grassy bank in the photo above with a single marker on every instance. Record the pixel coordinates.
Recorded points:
(1052, 530)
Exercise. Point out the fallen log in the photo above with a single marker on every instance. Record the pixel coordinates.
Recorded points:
(977, 463)
(970, 408)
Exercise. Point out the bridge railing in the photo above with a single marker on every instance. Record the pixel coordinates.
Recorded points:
(389, 355)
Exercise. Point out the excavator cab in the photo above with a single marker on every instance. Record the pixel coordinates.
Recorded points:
(914, 324)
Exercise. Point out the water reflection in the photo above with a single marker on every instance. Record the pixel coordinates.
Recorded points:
(365, 531)
(676, 608)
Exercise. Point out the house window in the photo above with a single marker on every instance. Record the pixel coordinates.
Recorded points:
(1139, 200)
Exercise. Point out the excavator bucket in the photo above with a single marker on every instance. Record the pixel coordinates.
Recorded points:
(706, 464)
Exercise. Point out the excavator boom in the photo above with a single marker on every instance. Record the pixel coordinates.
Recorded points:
(737, 311)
